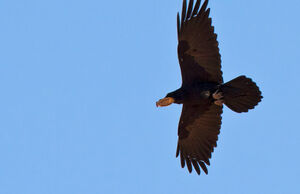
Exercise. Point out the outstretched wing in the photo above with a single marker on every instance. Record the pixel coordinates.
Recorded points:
(198, 50)
(198, 131)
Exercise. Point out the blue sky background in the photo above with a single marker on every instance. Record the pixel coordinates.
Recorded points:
(79, 81)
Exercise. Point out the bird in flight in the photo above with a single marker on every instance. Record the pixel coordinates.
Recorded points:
(203, 91)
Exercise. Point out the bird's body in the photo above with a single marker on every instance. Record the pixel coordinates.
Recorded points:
(196, 93)
(203, 91)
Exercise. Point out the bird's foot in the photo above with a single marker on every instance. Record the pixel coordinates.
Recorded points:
(219, 102)
(218, 97)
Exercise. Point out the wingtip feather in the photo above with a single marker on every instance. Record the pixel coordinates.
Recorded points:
(203, 167)
(182, 161)
(190, 9)
(196, 8)
(183, 12)
(204, 6)
(196, 166)
(177, 151)
(189, 165)
(178, 24)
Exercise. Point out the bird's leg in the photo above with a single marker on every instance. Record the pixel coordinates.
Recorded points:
(165, 102)
(218, 97)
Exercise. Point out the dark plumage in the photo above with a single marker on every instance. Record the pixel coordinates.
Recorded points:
(203, 92)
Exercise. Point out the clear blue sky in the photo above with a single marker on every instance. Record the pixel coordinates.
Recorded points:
(79, 81)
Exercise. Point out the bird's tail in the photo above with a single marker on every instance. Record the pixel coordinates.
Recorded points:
(241, 94)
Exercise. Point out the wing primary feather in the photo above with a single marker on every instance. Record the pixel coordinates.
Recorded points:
(196, 8)
(177, 151)
(203, 8)
(204, 19)
(196, 166)
(207, 162)
(190, 9)
(189, 165)
(207, 13)
(178, 25)
(205, 156)
(183, 13)
(182, 161)
(203, 167)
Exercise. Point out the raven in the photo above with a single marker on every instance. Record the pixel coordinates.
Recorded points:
(203, 91)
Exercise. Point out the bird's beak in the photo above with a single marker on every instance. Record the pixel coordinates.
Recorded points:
(165, 102)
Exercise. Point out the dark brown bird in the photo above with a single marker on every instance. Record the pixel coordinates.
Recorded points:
(203, 91)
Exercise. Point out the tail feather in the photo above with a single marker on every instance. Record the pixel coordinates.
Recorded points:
(241, 94)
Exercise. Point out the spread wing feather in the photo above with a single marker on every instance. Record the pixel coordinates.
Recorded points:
(198, 50)
(198, 131)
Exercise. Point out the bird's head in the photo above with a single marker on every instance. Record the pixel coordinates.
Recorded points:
(165, 102)
(172, 97)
